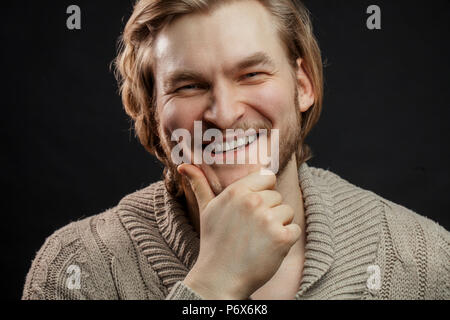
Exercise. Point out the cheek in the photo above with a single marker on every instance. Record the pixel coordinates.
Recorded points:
(174, 116)
(273, 101)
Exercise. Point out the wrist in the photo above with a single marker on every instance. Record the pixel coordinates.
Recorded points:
(212, 289)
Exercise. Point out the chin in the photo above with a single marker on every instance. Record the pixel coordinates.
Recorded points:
(221, 176)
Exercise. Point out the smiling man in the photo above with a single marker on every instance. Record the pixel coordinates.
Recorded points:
(228, 230)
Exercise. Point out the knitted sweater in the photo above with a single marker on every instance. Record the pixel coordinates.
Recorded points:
(358, 246)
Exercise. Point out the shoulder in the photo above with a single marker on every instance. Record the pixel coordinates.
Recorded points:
(63, 266)
(420, 252)
(93, 258)
(352, 205)
(412, 252)
(403, 224)
(406, 225)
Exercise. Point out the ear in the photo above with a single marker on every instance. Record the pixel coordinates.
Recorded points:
(306, 96)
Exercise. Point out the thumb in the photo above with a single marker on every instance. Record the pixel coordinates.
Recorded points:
(199, 184)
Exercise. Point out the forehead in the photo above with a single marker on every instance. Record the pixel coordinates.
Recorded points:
(215, 41)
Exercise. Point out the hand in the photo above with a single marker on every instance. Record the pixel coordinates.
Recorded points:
(245, 233)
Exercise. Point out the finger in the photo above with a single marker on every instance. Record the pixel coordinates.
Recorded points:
(294, 232)
(259, 180)
(199, 184)
(271, 198)
(282, 213)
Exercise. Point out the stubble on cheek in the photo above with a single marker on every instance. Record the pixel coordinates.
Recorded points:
(290, 139)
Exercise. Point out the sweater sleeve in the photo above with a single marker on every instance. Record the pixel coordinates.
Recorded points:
(92, 259)
(62, 270)
(414, 256)
(180, 291)
(444, 276)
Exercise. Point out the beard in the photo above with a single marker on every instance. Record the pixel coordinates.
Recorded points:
(290, 138)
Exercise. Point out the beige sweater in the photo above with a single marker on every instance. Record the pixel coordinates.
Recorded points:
(359, 246)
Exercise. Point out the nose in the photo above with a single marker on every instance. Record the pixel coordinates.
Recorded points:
(224, 109)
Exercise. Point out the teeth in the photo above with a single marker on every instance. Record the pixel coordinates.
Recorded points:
(224, 147)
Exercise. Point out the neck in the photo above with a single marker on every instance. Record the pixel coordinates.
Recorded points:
(288, 186)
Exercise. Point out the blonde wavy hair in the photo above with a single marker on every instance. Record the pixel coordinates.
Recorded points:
(134, 72)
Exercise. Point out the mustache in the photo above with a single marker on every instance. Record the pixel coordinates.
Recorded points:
(244, 126)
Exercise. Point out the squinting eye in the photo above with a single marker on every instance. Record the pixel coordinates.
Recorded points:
(191, 86)
(252, 74)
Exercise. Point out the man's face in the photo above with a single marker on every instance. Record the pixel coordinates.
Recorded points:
(221, 91)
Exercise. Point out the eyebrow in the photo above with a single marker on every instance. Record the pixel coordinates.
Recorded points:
(178, 76)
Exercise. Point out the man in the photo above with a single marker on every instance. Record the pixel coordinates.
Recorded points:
(236, 230)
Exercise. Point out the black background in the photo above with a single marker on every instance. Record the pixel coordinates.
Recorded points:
(68, 151)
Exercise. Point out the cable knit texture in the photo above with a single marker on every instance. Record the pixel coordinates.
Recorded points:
(358, 246)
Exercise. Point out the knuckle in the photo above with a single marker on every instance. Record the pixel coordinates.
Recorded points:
(283, 237)
(274, 197)
(233, 191)
(252, 201)
(279, 197)
(288, 210)
(298, 232)
(267, 219)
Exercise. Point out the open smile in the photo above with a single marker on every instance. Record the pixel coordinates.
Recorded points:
(231, 145)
